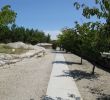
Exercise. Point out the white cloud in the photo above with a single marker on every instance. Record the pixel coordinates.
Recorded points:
(53, 33)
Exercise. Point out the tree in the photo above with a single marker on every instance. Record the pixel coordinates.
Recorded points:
(7, 15)
(102, 10)
(54, 44)
(102, 36)
(48, 38)
(5, 34)
(10, 32)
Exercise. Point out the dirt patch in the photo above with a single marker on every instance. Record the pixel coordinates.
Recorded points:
(26, 80)
(90, 86)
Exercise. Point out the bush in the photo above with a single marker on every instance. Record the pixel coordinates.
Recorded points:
(54, 44)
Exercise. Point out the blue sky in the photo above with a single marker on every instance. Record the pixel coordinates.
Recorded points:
(46, 15)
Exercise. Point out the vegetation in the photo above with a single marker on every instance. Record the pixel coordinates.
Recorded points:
(54, 44)
(89, 39)
(15, 34)
(8, 50)
(7, 16)
(10, 32)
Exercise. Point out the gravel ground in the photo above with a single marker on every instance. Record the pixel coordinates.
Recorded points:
(90, 86)
(26, 80)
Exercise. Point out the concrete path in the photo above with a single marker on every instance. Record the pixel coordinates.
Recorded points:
(61, 86)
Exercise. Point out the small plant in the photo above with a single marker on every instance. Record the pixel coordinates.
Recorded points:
(54, 46)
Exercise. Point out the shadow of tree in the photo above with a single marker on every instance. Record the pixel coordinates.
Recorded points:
(78, 75)
(72, 96)
(105, 97)
(66, 62)
(50, 98)
(62, 52)
(99, 92)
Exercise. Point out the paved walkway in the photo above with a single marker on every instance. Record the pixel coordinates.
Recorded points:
(61, 86)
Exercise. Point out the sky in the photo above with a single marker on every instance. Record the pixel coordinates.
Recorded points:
(50, 16)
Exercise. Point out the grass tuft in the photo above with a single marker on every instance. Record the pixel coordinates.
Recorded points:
(9, 50)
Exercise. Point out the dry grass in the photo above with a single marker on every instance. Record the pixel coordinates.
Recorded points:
(8, 50)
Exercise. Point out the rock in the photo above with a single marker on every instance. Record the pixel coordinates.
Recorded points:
(16, 45)
(45, 45)
(25, 46)
(5, 56)
(2, 62)
(13, 58)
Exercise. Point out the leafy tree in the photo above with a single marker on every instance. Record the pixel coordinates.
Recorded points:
(102, 10)
(7, 15)
(54, 44)
(102, 36)
(4, 34)
(10, 32)
(48, 38)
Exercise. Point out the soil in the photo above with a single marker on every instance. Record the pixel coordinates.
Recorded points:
(26, 80)
(90, 86)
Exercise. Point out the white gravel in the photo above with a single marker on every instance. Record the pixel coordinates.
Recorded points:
(26, 80)
(25, 46)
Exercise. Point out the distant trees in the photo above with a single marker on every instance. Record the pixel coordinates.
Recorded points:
(48, 40)
(10, 32)
(54, 44)
(25, 35)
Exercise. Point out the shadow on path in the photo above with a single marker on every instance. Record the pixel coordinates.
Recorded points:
(72, 96)
(46, 98)
(61, 52)
(65, 62)
(105, 97)
(78, 75)
(50, 98)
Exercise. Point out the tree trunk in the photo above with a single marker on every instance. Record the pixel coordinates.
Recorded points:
(81, 60)
(93, 70)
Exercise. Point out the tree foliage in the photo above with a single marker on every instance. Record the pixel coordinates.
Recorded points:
(7, 15)
(25, 35)
(91, 38)
(13, 33)
(101, 10)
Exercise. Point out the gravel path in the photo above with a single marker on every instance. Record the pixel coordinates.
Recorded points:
(90, 86)
(26, 80)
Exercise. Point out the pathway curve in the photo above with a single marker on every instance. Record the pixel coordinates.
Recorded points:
(61, 86)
